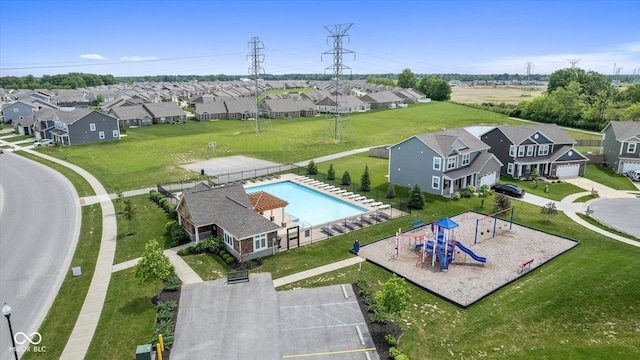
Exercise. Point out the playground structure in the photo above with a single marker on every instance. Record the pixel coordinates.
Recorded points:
(491, 225)
(438, 242)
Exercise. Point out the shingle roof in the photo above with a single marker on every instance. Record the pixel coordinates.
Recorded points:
(228, 207)
(442, 142)
(625, 130)
(518, 134)
(164, 109)
(476, 167)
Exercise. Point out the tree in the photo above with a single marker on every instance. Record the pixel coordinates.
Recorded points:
(416, 198)
(483, 193)
(632, 112)
(312, 169)
(100, 98)
(535, 174)
(154, 265)
(331, 174)
(365, 180)
(502, 202)
(391, 191)
(119, 198)
(549, 210)
(346, 178)
(129, 212)
(407, 79)
(394, 296)
(435, 88)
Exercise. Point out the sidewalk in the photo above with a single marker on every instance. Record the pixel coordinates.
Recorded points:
(184, 272)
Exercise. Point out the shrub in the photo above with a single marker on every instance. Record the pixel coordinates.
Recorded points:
(416, 198)
(166, 329)
(373, 308)
(172, 282)
(331, 173)
(365, 180)
(369, 299)
(378, 317)
(201, 247)
(394, 352)
(391, 340)
(230, 260)
(166, 305)
(187, 251)
(165, 315)
(391, 191)
(223, 253)
(402, 357)
(346, 178)
(457, 195)
(312, 169)
(248, 264)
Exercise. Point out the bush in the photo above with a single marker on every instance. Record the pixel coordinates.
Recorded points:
(166, 305)
(346, 178)
(331, 173)
(402, 357)
(378, 317)
(172, 282)
(416, 198)
(394, 352)
(187, 251)
(230, 260)
(201, 247)
(457, 195)
(391, 340)
(165, 315)
(312, 169)
(391, 191)
(223, 253)
(248, 264)
(166, 329)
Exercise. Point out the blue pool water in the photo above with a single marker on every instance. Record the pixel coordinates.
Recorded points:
(309, 206)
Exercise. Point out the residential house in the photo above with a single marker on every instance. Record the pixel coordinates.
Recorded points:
(214, 110)
(348, 104)
(287, 108)
(621, 145)
(43, 123)
(83, 126)
(544, 147)
(165, 112)
(410, 96)
(18, 111)
(383, 99)
(227, 213)
(131, 115)
(443, 163)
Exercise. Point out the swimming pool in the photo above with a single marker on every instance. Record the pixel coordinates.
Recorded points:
(308, 205)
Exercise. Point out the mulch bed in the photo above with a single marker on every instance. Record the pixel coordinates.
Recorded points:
(377, 331)
(169, 296)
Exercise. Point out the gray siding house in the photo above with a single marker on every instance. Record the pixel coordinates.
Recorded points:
(165, 112)
(537, 146)
(83, 126)
(621, 145)
(227, 213)
(131, 115)
(17, 111)
(443, 163)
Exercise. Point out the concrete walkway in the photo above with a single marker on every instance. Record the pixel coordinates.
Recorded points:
(316, 271)
(182, 269)
(80, 339)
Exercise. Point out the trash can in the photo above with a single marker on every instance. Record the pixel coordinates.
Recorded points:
(356, 246)
(201, 171)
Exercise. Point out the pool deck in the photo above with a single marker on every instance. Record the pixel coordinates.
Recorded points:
(316, 233)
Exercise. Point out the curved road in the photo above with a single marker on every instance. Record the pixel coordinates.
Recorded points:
(40, 220)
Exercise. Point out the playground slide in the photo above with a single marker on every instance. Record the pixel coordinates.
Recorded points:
(471, 253)
(443, 262)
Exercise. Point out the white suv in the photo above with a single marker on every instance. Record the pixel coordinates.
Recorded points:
(634, 175)
(46, 142)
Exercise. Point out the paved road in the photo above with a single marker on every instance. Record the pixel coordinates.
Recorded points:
(39, 228)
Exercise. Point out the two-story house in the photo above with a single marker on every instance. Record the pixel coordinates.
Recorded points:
(621, 145)
(443, 163)
(18, 110)
(544, 147)
(228, 213)
(75, 126)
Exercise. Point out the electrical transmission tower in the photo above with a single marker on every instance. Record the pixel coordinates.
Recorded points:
(526, 90)
(636, 75)
(257, 58)
(616, 74)
(573, 62)
(338, 127)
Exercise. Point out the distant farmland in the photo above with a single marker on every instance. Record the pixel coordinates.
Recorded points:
(496, 95)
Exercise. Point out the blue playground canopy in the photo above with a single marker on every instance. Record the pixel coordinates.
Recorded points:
(447, 223)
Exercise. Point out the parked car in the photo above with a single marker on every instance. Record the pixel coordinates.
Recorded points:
(634, 175)
(508, 189)
(46, 142)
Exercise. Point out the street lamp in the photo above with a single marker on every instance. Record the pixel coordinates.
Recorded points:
(6, 310)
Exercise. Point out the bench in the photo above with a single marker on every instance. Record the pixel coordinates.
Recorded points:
(239, 276)
(526, 264)
(417, 223)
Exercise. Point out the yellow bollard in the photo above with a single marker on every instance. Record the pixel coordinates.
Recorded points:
(161, 342)
(160, 347)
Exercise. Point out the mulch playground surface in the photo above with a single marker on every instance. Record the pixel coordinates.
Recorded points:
(466, 280)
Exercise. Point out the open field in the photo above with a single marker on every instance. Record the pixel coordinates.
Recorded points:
(495, 94)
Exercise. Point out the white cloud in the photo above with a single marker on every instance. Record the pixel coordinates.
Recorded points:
(138, 58)
(93, 57)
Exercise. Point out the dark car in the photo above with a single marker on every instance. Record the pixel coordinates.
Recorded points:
(508, 189)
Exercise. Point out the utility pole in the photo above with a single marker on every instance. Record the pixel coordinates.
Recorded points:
(338, 128)
(573, 62)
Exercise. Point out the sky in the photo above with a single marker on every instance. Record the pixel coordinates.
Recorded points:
(139, 37)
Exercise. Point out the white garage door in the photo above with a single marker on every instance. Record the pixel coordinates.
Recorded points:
(489, 179)
(630, 166)
(568, 170)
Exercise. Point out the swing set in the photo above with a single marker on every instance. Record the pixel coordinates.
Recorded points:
(489, 225)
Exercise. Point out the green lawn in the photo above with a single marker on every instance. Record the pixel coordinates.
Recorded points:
(61, 318)
(149, 223)
(557, 191)
(81, 185)
(153, 154)
(208, 266)
(607, 177)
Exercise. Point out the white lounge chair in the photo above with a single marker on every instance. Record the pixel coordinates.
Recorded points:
(347, 194)
(367, 201)
(378, 203)
(384, 206)
(360, 198)
(341, 191)
(354, 196)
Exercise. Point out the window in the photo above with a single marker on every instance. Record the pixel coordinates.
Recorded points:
(451, 162)
(529, 150)
(228, 238)
(465, 159)
(543, 150)
(520, 151)
(92, 127)
(510, 168)
(101, 135)
(115, 133)
(435, 182)
(631, 147)
(437, 163)
(259, 242)
(512, 150)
